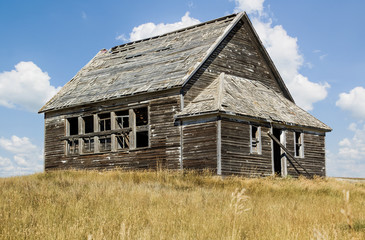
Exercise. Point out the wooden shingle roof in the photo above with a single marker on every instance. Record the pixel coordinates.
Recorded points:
(148, 65)
(243, 97)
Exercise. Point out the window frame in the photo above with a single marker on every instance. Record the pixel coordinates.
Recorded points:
(298, 151)
(258, 140)
(122, 137)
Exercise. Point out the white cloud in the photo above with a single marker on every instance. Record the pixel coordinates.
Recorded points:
(26, 87)
(249, 6)
(284, 51)
(26, 158)
(354, 102)
(147, 30)
(350, 159)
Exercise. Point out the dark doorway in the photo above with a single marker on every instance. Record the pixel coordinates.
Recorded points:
(277, 152)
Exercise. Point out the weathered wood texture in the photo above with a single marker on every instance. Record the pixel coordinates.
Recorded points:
(148, 65)
(237, 55)
(314, 154)
(200, 146)
(164, 147)
(236, 156)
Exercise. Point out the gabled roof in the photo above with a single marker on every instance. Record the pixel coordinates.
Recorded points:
(252, 99)
(148, 65)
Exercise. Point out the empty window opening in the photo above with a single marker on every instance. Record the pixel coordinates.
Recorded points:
(105, 143)
(73, 126)
(88, 144)
(298, 144)
(142, 139)
(72, 146)
(141, 116)
(255, 139)
(104, 122)
(122, 140)
(89, 124)
(122, 119)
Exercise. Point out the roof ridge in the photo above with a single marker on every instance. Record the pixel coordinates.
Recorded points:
(175, 31)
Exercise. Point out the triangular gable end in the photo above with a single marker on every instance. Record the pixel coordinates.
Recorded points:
(242, 54)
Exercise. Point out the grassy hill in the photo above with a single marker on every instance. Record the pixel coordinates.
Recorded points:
(176, 205)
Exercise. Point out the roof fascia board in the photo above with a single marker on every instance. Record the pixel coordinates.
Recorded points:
(214, 46)
(250, 119)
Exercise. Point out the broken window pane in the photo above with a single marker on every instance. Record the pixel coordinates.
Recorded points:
(89, 124)
(104, 122)
(122, 119)
(73, 126)
(88, 144)
(142, 139)
(298, 144)
(255, 139)
(141, 116)
(122, 140)
(105, 143)
(73, 146)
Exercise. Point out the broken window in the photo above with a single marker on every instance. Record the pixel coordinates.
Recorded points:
(104, 122)
(298, 145)
(72, 146)
(142, 139)
(125, 129)
(122, 119)
(255, 139)
(123, 141)
(141, 116)
(105, 143)
(88, 124)
(88, 144)
(73, 126)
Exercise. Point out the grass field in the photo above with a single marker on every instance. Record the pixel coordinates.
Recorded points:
(177, 205)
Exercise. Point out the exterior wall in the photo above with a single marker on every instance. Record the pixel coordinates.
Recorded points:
(237, 55)
(200, 146)
(314, 154)
(164, 147)
(236, 156)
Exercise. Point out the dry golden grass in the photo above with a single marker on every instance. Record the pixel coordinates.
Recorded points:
(176, 205)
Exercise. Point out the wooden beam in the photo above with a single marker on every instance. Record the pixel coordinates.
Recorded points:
(290, 156)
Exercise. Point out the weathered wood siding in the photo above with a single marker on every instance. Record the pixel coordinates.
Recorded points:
(200, 146)
(236, 156)
(164, 147)
(314, 154)
(237, 55)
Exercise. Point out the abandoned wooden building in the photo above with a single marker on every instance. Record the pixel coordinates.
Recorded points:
(203, 97)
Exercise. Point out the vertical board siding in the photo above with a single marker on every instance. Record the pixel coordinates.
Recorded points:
(236, 156)
(163, 152)
(314, 154)
(200, 146)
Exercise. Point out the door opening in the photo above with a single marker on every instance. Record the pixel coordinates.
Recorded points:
(277, 153)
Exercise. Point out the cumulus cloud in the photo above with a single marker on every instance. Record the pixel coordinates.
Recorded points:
(26, 87)
(285, 53)
(26, 158)
(147, 30)
(354, 102)
(249, 6)
(349, 161)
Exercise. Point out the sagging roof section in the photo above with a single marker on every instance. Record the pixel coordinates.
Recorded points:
(147, 65)
(243, 97)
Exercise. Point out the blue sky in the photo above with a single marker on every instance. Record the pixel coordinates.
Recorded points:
(316, 45)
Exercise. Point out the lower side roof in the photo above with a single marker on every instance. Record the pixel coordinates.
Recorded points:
(239, 96)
